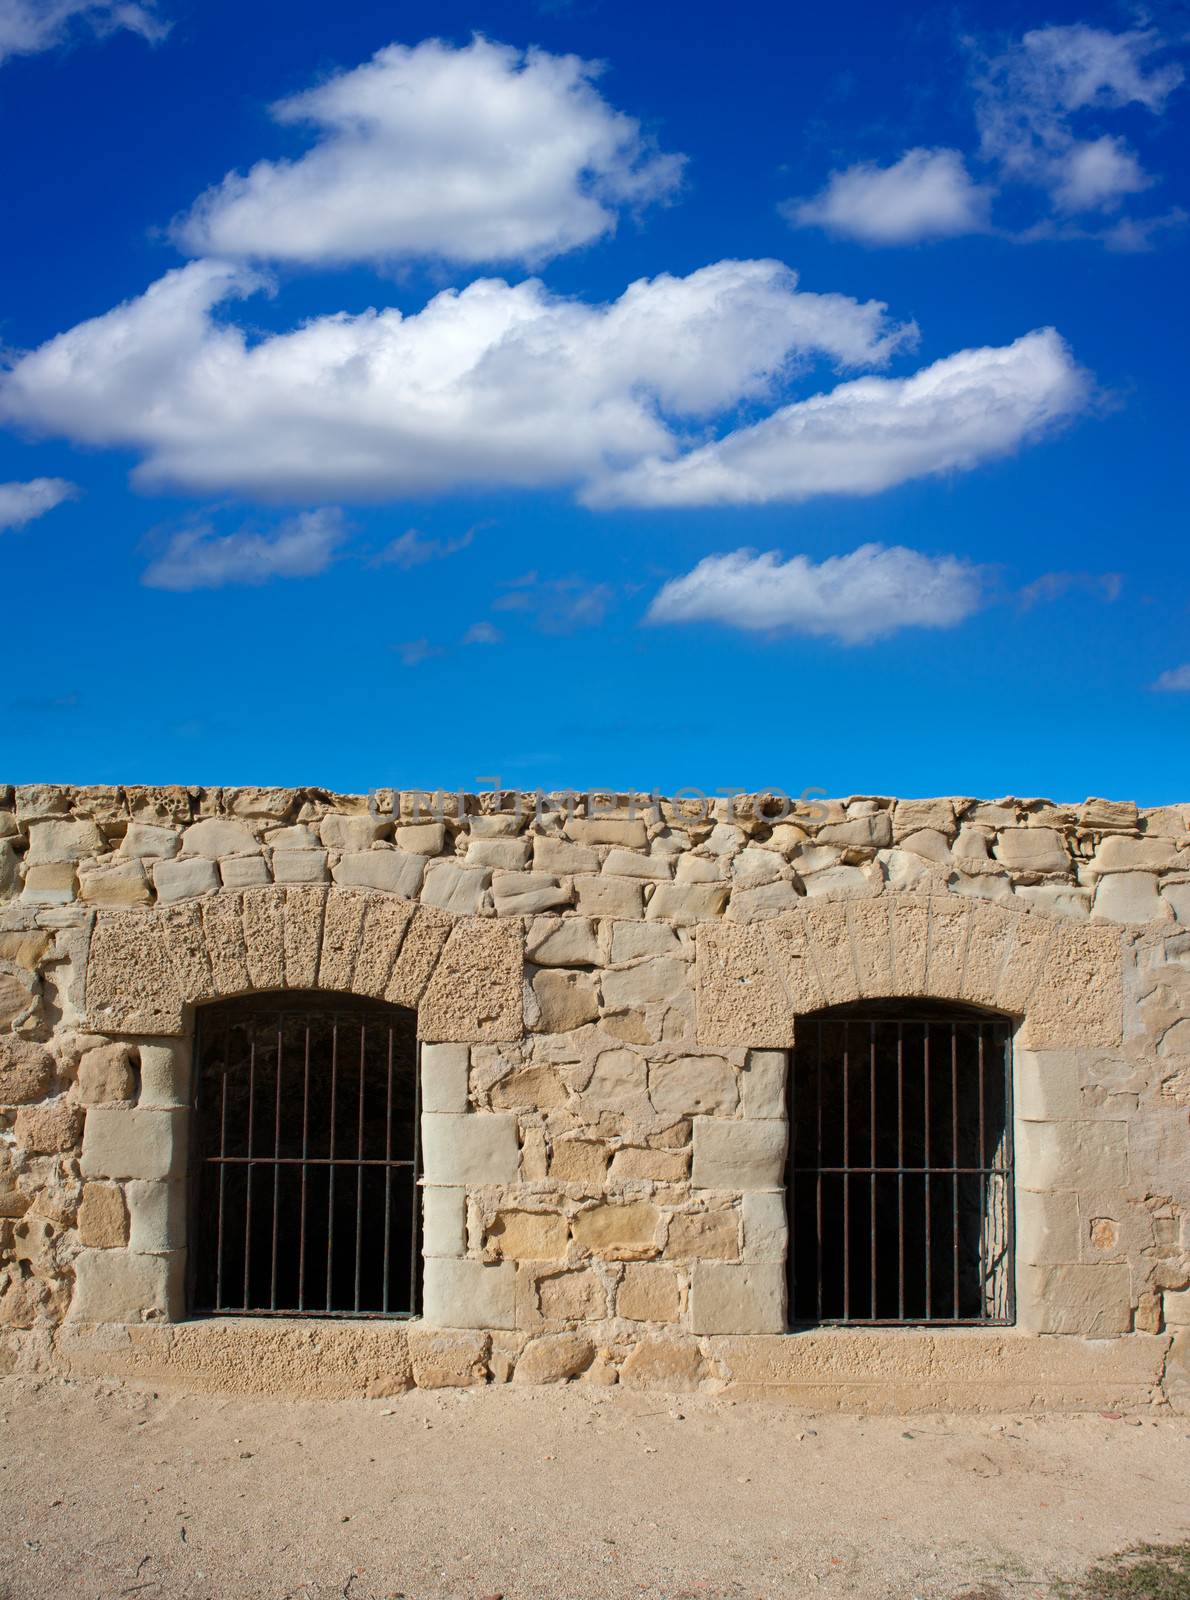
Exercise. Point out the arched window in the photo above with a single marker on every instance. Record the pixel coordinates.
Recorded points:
(899, 1181)
(306, 1158)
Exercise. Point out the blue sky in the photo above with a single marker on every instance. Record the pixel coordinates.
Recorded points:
(393, 398)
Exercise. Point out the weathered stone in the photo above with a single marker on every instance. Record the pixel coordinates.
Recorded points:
(390, 870)
(569, 942)
(183, 879)
(422, 838)
(650, 1166)
(692, 1085)
(749, 1298)
(655, 980)
(610, 897)
(873, 832)
(766, 1231)
(342, 930)
(456, 889)
(560, 857)
(648, 1293)
(475, 994)
(117, 1286)
(519, 894)
(421, 948)
(135, 1143)
(158, 1216)
(262, 919)
(132, 983)
(63, 841)
(565, 999)
(1130, 897)
(350, 833)
(571, 1297)
(618, 1232)
(618, 1085)
(103, 1217)
(444, 1222)
(299, 866)
(762, 902)
(1032, 850)
(1118, 853)
(144, 839)
(448, 1361)
(703, 1236)
(528, 1236)
(49, 883)
(553, 1358)
(763, 1083)
(1086, 1155)
(509, 854)
(114, 885)
(226, 944)
(49, 1128)
(444, 1069)
(632, 834)
(631, 940)
(684, 903)
(217, 837)
(244, 872)
(468, 1294)
(529, 1089)
(672, 1365)
(26, 1071)
(738, 1155)
(1094, 1301)
(107, 1073)
(630, 864)
(471, 1149)
(578, 1161)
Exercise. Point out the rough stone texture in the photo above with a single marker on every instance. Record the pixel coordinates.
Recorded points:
(605, 1003)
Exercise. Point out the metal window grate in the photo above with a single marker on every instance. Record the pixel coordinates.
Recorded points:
(306, 1159)
(899, 1178)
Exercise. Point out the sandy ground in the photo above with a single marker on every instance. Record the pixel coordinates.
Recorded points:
(112, 1490)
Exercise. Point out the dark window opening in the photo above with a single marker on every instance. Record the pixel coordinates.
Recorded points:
(306, 1159)
(899, 1180)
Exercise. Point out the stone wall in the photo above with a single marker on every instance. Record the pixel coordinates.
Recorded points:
(606, 992)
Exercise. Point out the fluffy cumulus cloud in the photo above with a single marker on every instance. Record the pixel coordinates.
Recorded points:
(21, 502)
(29, 26)
(494, 384)
(477, 154)
(1027, 100)
(853, 598)
(1175, 681)
(198, 558)
(927, 194)
(872, 433)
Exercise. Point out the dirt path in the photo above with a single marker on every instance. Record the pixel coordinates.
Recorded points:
(573, 1494)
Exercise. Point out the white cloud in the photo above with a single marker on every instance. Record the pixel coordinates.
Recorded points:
(483, 633)
(197, 558)
(413, 549)
(927, 194)
(21, 502)
(1028, 97)
(872, 433)
(477, 154)
(1175, 681)
(30, 26)
(490, 385)
(853, 598)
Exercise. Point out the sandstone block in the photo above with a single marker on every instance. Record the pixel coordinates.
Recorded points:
(571, 1296)
(579, 1161)
(699, 869)
(132, 982)
(448, 1361)
(123, 883)
(766, 1231)
(566, 1000)
(421, 949)
(217, 837)
(117, 1286)
(145, 839)
(1032, 850)
(158, 1213)
(1094, 1301)
(693, 1085)
(107, 1073)
(630, 864)
(468, 1294)
(390, 870)
(61, 840)
(1048, 1085)
(911, 816)
(444, 1069)
(1047, 1228)
(655, 980)
(650, 1166)
(422, 838)
(299, 866)
(729, 1298)
(763, 1083)
(511, 855)
(1130, 897)
(618, 1232)
(872, 832)
(1118, 853)
(618, 1085)
(103, 1217)
(648, 1293)
(562, 942)
(740, 999)
(630, 940)
(19, 997)
(528, 1236)
(244, 872)
(139, 1142)
(1072, 1155)
(669, 1365)
(684, 903)
(631, 833)
(610, 897)
(704, 1236)
(444, 1222)
(758, 904)
(458, 889)
(350, 833)
(739, 1156)
(182, 879)
(522, 894)
(475, 1149)
(476, 993)
(26, 1071)
(51, 1127)
(561, 858)
(49, 883)
(553, 1358)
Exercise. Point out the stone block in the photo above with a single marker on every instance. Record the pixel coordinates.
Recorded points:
(115, 885)
(103, 1217)
(1076, 996)
(26, 1071)
(390, 870)
(581, 1161)
(511, 855)
(1032, 850)
(132, 983)
(730, 1298)
(1092, 1301)
(185, 878)
(1130, 897)
(689, 1086)
(107, 1072)
(618, 1232)
(244, 872)
(740, 999)
(1118, 853)
(217, 837)
(629, 832)
(565, 1000)
(350, 833)
(523, 894)
(342, 929)
(52, 1127)
(299, 866)
(610, 897)
(144, 839)
(1047, 1228)
(468, 1294)
(62, 840)
(118, 1286)
(262, 913)
(681, 904)
(631, 940)
(630, 864)
(158, 1214)
(654, 980)
(138, 1142)
(562, 942)
(704, 1235)
(739, 1156)
(515, 1235)
(49, 883)
(561, 858)
(478, 1148)
(448, 1361)
(763, 1083)
(648, 1292)
(669, 1365)
(871, 833)
(761, 902)
(1072, 1155)
(421, 949)
(422, 838)
(226, 943)
(535, 1088)
(386, 923)
(444, 1069)
(650, 1166)
(766, 1230)
(164, 1072)
(444, 1221)
(554, 1358)
(456, 889)
(1048, 1085)
(476, 993)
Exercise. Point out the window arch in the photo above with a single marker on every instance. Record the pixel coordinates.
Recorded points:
(306, 1158)
(900, 1168)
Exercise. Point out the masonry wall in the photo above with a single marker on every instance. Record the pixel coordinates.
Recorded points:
(607, 994)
